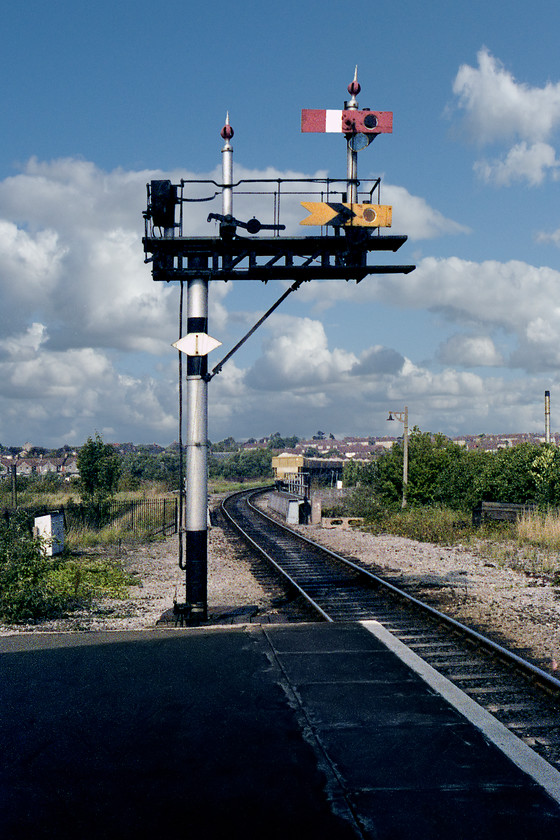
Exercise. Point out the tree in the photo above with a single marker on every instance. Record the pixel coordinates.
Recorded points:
(147, 466)
(276, 441)
(439, 472)
(100, 469)
(255, 463)
(507, 476)
(229, 444)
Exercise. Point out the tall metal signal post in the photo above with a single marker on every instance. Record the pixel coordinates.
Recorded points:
(350, 217)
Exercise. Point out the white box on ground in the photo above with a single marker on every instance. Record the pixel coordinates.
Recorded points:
(50, 528)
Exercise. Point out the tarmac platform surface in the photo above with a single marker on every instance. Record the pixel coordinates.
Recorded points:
(260, 731)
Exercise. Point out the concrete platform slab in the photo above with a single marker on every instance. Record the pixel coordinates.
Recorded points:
(301, 731)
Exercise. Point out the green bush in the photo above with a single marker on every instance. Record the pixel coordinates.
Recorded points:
(24, 570)
(34, 586)
(441, 472)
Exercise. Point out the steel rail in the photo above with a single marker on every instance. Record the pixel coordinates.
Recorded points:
(547, 681)
(270, 559)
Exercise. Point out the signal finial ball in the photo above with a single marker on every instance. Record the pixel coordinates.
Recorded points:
(227, 130)
(354, 87)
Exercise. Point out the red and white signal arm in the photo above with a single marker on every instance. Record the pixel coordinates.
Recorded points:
(347, 121)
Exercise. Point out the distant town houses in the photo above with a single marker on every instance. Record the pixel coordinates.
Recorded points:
(33, 461)
(65, 466)
(366, 448)
(491, 443)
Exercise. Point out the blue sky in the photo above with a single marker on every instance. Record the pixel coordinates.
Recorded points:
(100, 98)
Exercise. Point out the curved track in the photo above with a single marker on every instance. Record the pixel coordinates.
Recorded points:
(523, 697)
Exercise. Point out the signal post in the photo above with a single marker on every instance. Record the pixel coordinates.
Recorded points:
(238, 252)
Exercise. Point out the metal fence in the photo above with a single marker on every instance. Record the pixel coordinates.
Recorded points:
(153, 516)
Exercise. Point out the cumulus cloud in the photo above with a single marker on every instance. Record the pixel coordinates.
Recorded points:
(298, 356)
(80, 310)
(358, 401)
(512, 298)
(378, 360)
(499, 107)
(64, 396)
(469, 351)
(413, 214)
(522, 163)
(85, 333)
(24, 346)
(500, 110)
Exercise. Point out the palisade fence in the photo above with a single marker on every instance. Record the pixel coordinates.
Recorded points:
(152, 516)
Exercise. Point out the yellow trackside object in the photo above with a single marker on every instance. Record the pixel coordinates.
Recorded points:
(347, 215)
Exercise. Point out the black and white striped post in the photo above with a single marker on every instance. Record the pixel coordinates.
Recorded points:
(196, 455)
(197, 344)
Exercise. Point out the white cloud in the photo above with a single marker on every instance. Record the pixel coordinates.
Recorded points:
(499, 109)
(85, 333)
(522, 163)
(298, 356)
(469, 351)
(450, 400)
(413, 215)
(58, 396)
(24, 346)
(553, 237)
(515, 298)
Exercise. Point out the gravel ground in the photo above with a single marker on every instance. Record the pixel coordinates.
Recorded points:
(239, 590)
(517, 609)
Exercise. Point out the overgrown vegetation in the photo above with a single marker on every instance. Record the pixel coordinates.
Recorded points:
(540, 529)
(35, 586)
(441, 472)
(446, 481)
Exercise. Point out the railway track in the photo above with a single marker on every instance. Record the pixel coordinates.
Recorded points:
(522, 697)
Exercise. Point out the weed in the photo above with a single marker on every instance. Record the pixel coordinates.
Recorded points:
(80, 581)
(425, 524)
(540, 529)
